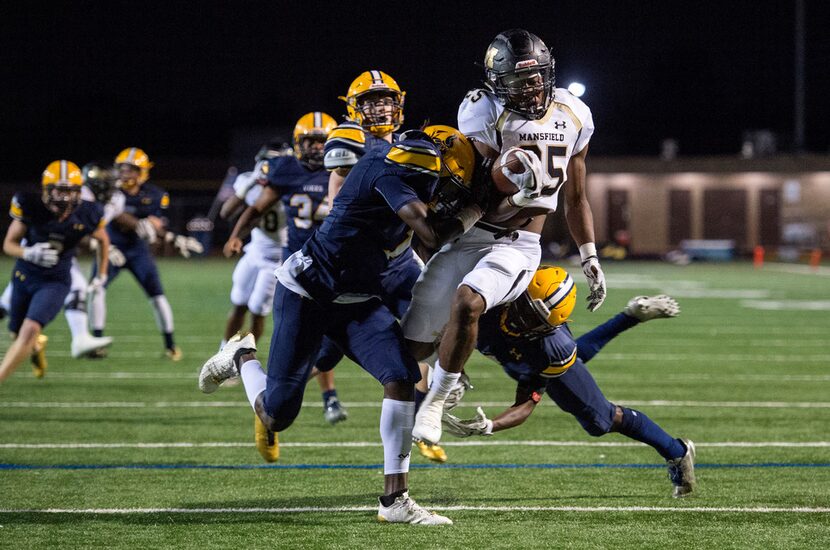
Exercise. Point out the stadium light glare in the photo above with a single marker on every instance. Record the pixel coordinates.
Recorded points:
(576, 88)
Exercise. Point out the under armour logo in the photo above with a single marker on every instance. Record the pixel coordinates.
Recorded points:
(560, 125)
(515, 353)
(402, 456)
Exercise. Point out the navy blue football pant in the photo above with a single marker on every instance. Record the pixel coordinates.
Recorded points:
(367, 332)
(397, 283)
(141, 264)
(36, 298)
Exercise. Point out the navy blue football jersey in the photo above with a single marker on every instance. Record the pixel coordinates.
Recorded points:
(530, 362)
(302, 192)
(149, 201)
(352, 247)
(42, 226)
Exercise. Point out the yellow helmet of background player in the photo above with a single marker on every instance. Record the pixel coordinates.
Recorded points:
(362, 102)
(547, 303)
(133, 156)
(61, 183)
(315, 126)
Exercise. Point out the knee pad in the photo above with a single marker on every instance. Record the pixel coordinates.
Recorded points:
(594, 426)
(631, 422)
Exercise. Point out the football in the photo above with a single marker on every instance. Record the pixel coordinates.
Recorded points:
(510, 161)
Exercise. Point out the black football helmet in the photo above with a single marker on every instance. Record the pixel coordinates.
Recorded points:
(100, 179)
(519, 69)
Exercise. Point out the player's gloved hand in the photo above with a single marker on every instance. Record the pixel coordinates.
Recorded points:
(478, 425)
(185, 245)
(530, 182)
(146, 231)
(96, 284)
(41, 254)
(596, 282)
(116, 256)
(457, 392)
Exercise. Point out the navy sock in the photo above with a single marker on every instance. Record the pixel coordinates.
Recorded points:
(168, 340)
(328, 394)
(640, 427)
(419, 398)
(591, 342)
(98, 332)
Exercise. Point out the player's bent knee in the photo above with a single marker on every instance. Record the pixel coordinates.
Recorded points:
(595, 426)
(468, 304)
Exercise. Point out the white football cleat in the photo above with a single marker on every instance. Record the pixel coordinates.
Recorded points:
(682, 471)
(646, 308)
(428, 422)
(406, 510)
(222, 366)
(87, 343)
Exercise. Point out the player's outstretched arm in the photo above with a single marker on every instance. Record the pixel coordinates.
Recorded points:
(102, 253)
(231, 207)
(248, 220)
(14, 236)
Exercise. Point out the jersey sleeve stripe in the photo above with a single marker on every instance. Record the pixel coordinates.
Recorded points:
(353, 135)
(556, 370)
(420, 160)
(15, 211)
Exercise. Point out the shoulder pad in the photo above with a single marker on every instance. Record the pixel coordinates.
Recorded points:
(16, 208)
(349, 136)
(416, 155)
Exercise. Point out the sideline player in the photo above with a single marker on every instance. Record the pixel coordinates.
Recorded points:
(374, 110)
(132, 232)
(52, 224)
(491, 264)
(332, 287)
(299, 183)
(534, 346)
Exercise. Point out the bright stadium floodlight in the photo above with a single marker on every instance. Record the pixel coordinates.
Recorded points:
(576, 88)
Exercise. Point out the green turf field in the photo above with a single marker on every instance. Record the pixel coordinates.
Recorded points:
(126, 452)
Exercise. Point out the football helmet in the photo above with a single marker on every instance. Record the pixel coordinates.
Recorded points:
(375, 101)
(273, 149)
(547, 303)
(310, 134)
(458, 164)
(61, 184)
(519, 69)
(100, 179)
(133, 167)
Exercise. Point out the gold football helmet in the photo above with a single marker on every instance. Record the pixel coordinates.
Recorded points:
(133, 167)
(310, 134)
(457, 167)
(61, 184)
(375, 101)
(547, 303)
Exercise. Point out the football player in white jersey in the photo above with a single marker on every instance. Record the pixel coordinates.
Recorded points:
(548, 129)
(253, 278)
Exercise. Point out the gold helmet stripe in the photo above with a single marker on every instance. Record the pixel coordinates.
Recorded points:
(318, 119)
(561, 292)
(64, 176)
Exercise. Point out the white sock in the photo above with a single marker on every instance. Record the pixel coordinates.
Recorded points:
(98, 309)
(163, 312)
(6, 299)
(396, 421)
(254, 380)
(77, 321)
(442, 383)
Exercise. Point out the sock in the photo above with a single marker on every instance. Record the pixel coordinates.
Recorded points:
(388, 500)
(442, 383)
(77, 321)
(396, 421)
(98, 311)
(419, 398)
(254, 380)
(640, 427)
(168, 340)
(98, 332)
(328, 394)
(163, 313)
(591, 342)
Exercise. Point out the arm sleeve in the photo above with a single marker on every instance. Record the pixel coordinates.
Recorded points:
(477, 117)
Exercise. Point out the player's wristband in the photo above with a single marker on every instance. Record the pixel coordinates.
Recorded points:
(469, 215)
(587, 250)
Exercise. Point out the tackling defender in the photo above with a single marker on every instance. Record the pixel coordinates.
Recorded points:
(331, 287)
(549, 130)
(530, 340)
(52, 224)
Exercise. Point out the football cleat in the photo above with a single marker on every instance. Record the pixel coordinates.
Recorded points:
(174, 353)
(406, 510)
(222, 365)
(457, 392)
(646, 308)
(267, 442)
(428, 422)
(435, 453)
(39, 363)
(87, 344)
(682, 471)
(333, 411)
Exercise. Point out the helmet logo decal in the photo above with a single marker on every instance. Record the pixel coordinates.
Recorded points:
(490, 56)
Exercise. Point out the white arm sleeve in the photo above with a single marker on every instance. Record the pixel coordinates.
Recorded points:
(243, 183)
(477, 117)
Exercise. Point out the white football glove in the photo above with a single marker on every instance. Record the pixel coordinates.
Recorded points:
(41, 254)
(596, 282)
(146, 231)
(529, 182)
(479, 425)
(116, 257)
(96, 284)
(457, 392)
(185, 245)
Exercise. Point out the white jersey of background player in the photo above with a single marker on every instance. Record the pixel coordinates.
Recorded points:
(494, 262)
(75, 305)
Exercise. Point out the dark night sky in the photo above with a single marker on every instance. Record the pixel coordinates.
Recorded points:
(85, 80)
